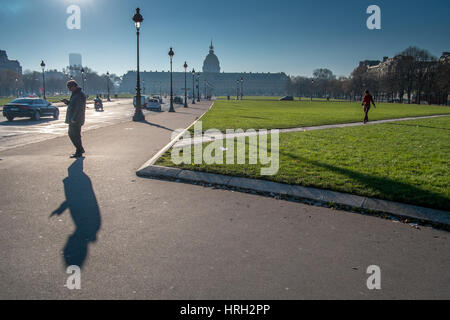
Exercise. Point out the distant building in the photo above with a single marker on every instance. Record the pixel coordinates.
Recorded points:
(6, 64)
(445, 58)
(369, 63)
(217, 83)
(211, 63)
(75, 60)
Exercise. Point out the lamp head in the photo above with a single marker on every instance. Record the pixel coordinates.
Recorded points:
(137, 18)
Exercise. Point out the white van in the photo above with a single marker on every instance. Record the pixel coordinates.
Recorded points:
(144, 101)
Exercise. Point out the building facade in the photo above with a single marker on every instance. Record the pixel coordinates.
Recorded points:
(6, 64)
(212, 81)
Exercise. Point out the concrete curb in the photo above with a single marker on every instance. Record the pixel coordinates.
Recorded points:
(317, 196)
(171, 143)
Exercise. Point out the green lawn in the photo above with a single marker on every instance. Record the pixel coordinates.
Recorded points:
(406, 161)
(266, 114)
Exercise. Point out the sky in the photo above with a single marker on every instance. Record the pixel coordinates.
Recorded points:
(294, 37)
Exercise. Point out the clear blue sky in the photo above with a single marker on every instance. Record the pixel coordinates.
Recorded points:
(294, 36)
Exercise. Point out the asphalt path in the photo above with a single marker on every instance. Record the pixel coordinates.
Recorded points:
(23, 131)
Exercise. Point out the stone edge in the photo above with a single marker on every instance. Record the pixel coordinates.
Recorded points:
(330, 198)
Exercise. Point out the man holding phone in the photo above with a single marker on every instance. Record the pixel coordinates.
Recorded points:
(75, 116)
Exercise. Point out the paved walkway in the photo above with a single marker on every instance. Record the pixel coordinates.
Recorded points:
(220, 136)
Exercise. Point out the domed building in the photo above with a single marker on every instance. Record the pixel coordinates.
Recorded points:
(212, 82)
(211, 63)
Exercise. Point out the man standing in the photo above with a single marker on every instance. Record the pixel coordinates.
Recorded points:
(366, 103)
(75, 116)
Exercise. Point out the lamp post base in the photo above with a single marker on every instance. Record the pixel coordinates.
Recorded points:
(138, 115)
(171, 108)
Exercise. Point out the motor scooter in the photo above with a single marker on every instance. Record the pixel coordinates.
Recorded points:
(98, 104)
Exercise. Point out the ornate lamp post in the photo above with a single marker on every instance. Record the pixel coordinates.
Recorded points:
(138, 115)
(312, 88)
(43, 77)
(171, 54)
(107, 83)
(185, 84)
(193, 86)
(242, 87)
(198, 87)
(237, 89)
(82, 77)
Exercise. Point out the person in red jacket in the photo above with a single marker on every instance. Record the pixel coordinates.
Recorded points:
(366, 103)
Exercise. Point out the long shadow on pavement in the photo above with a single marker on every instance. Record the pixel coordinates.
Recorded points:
(26, 122)
(82, 204)
(157, 125)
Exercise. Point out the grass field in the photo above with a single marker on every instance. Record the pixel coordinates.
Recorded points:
(406, 161)
(266, 114)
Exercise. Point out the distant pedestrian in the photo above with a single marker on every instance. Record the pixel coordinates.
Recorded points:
(75, 116)
(366, 103)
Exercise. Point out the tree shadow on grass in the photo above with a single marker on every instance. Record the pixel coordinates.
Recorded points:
(388, 189)
(416, 125)
(82, 204)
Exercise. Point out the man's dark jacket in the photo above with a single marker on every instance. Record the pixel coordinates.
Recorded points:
(76, 108)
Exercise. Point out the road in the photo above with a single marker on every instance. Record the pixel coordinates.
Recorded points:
(149, 239)
(23, 131)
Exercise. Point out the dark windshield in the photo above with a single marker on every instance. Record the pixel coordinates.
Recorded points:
(22, 101)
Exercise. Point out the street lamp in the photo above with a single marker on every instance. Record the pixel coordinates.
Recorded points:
(138, 115)
(185, 84)
(237, 89)
(107, 78)
(242, 87)
(193, 86)
(171, 54)
(312, 88)
(43, 77)
(83, 77)
(198, 87)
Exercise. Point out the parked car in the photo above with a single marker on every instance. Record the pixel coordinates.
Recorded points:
(144, 101)
(287, 98)
(178, 100)
(158, 98)
(33, 108)
(153, 104)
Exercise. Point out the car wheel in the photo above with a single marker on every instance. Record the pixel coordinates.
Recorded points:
(56, 114)
(37, 116)
(10, 119)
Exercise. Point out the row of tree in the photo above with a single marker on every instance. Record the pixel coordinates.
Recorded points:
(31, 82)
(414, 75)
